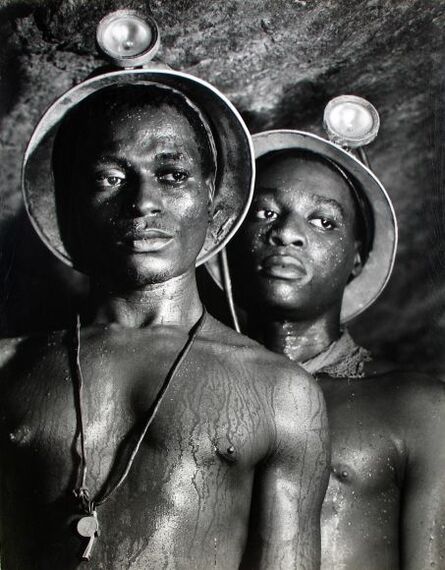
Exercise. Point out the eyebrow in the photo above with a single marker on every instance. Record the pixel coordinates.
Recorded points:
(319, 200)
(170, 156)
(329, 202)
(123, 162)
(110, 159)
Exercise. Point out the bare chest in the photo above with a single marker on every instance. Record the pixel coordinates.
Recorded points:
(209, 419)
(192, 473)
(362, 504)
(367, 454)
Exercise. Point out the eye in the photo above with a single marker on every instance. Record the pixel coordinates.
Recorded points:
(265, 214)
(323, 223)
(110, 179)
(173, 177)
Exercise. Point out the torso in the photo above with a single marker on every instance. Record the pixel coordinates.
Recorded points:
(370, 440)
(186, 501)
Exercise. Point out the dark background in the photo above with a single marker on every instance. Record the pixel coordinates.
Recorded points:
(280, 61)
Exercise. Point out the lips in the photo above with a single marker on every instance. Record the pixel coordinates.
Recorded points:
(146, 241)
(283, 267)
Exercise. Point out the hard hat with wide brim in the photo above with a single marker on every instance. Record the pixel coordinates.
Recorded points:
(234, 151)
(363, 290)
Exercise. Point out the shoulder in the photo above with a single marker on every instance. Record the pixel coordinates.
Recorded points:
(293, 384)
(299, 406)
(277, 368)
(292, 390)
(421, 393)
(420, 416)
(300, 417)
(402, 385)
(8, 349)
(413, 388)
(417, 400)
(11, 348)
(219, 334)
(18, 351)
(12, 356)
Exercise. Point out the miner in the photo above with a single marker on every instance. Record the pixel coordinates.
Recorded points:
(316, 249)
(148, 434)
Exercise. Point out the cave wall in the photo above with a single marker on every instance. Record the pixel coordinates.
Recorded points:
(279, 61)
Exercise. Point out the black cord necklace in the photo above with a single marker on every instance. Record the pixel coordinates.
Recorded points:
(88, 525)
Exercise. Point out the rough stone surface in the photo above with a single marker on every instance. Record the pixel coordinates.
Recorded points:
(280, 61)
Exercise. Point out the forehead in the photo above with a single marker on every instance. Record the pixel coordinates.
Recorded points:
(298, 177)
(146, 126)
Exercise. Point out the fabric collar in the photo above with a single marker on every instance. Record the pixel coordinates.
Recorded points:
(343, 358)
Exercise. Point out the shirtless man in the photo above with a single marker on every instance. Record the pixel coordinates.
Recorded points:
(302, 265)
(236, 454)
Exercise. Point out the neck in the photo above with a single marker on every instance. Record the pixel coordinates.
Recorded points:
(174, 302)
(298, 340)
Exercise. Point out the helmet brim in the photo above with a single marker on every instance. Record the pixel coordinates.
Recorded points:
(362, 291)
(235, 156)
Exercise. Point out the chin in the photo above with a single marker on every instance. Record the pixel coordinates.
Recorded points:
(283, 299)
(138, 280)
(152, 270)
(286, 311)
(140, 275)
(282, 292)
(130, 274)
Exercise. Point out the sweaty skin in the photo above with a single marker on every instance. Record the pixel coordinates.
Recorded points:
(187, 499)
(385, 504)
(384, 508)
(234, 467)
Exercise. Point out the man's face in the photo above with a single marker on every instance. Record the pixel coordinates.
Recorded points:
(297, 248)
(144, 199)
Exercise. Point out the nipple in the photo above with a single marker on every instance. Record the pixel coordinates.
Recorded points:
(227, 452)
(341, 473)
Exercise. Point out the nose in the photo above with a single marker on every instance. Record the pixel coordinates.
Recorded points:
(146, 198)
(288, 231)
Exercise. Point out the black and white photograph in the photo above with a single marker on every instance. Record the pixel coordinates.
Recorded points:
(222, 285)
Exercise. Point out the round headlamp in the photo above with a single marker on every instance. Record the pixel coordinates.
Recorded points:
(351, 121)
(128, 39)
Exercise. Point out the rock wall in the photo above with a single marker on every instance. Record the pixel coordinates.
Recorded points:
(280, 61)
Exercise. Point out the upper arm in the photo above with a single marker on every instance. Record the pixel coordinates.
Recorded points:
(423, 506)
(290, 486)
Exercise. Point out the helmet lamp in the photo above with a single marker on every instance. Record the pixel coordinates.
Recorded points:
(128, 39)
(351, 121)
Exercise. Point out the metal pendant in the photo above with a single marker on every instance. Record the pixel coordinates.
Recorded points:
(88, 527)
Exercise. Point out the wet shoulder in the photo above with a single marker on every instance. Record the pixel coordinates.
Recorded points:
(19, 354)
(24, 348)
(233, 345)
(287, 385)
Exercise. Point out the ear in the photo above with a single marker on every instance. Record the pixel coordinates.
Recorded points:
(358, 263)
